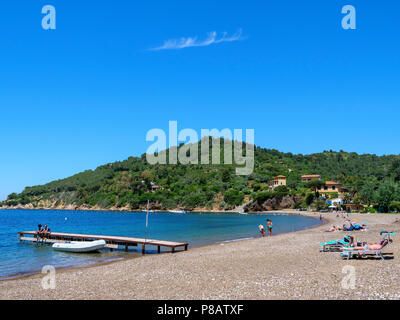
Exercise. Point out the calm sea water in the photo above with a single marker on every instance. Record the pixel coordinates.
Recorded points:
(196, 228)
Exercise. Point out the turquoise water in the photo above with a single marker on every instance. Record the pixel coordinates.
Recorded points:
(196, 228)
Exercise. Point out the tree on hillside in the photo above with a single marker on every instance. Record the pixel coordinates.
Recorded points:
(309, 199)
(347, 197)
(315, 185)
(395, 206)
(319, 204)
(233, 197)
(385, 195)
(12, 196)
(282, 189)
(367, 193)
(226, 175)
(395, 170)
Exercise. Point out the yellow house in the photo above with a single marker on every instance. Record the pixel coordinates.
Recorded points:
(278, 181)
(310, 177)
(331, 187)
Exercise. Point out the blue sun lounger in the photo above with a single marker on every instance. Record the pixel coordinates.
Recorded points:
(335, 245)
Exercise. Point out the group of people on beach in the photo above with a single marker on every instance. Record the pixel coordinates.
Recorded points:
(42, 232)
(343, 214)
(353, 226)
(269, 228)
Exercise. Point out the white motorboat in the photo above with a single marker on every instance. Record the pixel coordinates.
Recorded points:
(79, 246)
(177, 211)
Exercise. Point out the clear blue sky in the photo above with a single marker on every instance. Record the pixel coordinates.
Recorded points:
(86, 93)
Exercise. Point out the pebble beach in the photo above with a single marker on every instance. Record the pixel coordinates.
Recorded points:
(285, 266)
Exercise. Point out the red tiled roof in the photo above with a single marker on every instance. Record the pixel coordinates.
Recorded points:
(280, 177)
(311, 176)
(331, 183)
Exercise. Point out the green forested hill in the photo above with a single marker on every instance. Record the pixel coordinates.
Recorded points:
(128, 183)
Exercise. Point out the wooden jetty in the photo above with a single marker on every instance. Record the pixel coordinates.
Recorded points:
(112, 242)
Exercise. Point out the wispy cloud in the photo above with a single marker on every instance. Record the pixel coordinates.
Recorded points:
(175, 44)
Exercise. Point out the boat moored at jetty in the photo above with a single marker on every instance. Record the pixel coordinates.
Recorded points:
(79, 246)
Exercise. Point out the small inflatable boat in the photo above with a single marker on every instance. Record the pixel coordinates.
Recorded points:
(79, 246)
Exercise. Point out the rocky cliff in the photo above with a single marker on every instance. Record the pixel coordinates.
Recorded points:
(277, 203)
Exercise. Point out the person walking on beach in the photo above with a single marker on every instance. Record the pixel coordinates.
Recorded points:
(262, 230)
(269, 227)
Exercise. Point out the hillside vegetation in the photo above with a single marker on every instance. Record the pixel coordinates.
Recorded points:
(370, 179)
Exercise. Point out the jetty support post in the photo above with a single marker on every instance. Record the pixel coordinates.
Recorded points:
(158, 249)
(143, 248)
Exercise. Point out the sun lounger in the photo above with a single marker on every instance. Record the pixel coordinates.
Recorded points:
(350, 252)
(335, 245)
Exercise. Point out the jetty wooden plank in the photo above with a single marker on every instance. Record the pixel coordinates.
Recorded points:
(112, 242)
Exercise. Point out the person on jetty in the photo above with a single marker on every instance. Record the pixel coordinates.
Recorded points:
(262, 230)
(42, 232)
(269, 226)
(46, 231)
(39, 232)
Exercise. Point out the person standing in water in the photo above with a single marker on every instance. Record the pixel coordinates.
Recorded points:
(269, 227)
(262, 230)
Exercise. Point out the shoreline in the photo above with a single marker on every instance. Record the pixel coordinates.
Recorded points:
(118, 209)
(113, 209)
(37, 273)
(290, 211)
(136, 255)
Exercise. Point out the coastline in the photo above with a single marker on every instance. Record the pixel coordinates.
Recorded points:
(285, 266)
(197, 210)
(135, 255)
(202, 210)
